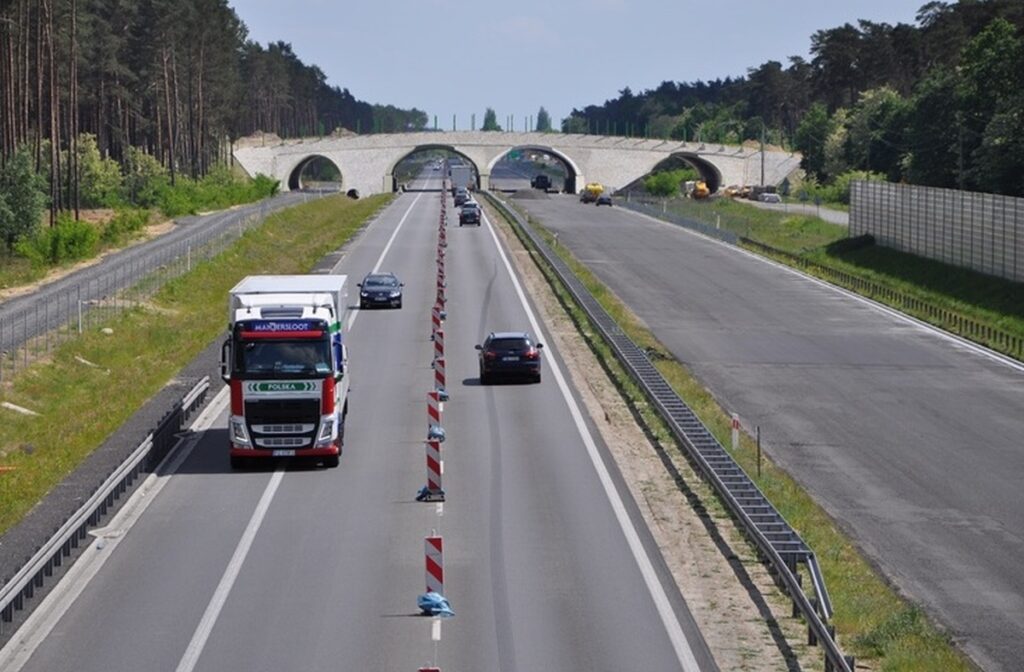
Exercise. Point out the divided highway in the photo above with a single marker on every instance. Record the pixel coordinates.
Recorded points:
(547, 563)
(909, 438)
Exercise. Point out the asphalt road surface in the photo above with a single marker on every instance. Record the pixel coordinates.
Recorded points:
(909, 438)
(295, 568)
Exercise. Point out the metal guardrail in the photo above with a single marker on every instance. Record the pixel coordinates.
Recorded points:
(774, 538)
(144, 459)
(664, 213)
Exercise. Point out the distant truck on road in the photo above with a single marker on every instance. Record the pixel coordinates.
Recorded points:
(287, 367)
(541, 181)
(460, 175)
(591, 191)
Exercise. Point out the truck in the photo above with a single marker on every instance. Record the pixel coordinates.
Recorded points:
(591, 191)
(541, 181)
(286, 364)
(460, 175)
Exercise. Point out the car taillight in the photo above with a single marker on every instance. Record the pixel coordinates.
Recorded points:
(532, 353)
(490, 354)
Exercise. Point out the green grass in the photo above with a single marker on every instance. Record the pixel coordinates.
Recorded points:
(16, 271)
(80, 406)
(872, 621)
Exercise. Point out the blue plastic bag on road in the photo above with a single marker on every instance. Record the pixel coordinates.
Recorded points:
(434, 604)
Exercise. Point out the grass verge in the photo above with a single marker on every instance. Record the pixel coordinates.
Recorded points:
(872, 620)
(80, 405)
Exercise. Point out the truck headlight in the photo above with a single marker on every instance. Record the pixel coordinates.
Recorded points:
(326, 434)
(239, 434)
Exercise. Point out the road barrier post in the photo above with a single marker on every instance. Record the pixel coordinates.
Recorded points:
(439, 379)
(432, 492)
(435, 411)
(434, 547)
(438, 345)
(735, 431)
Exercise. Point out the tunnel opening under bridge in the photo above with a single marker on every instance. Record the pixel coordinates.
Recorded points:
(315, 173)
(427, 166)
(534, 167)
(686, 167)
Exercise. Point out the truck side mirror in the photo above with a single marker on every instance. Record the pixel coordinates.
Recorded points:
(225, 358)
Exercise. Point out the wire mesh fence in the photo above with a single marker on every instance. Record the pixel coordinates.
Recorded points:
(983, 232)
(35, 330)
(689, 214)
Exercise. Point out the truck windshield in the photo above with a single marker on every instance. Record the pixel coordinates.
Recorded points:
(295, 357)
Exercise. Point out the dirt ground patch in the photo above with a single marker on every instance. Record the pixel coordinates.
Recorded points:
(744, 618)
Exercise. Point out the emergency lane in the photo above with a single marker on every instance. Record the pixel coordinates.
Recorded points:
(537, 565)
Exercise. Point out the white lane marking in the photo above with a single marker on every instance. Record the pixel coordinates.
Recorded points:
(220, 595)
(881, 307)
(684, 653)
(387, 248)
(54, 607)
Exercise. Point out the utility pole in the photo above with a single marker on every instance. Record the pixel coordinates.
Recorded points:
(762, 152)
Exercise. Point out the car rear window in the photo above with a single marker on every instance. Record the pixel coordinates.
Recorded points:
(509, 344)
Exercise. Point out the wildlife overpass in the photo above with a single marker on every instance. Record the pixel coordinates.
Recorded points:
(367, 162)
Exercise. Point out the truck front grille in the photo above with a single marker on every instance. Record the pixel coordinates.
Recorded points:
(282, 423)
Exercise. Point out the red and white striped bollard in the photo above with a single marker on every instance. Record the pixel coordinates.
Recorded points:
(434, 551)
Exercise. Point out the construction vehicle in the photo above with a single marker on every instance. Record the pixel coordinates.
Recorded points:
(591, 192)
(287, 367)
(700, 190)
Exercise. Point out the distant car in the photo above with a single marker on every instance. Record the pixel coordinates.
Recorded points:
(470, 213)
(461, 196)
(771, 198)
(604, 199)
(380, 289)
(509, 354)
(541, 182)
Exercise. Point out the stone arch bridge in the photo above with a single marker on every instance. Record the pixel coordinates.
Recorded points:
(367, 162)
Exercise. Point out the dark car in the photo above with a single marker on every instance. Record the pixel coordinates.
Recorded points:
(604, 199)
(380, 289)
(470, 214)
(509, 354)
(461, 196)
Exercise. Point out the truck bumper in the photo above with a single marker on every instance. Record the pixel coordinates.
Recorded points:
(329, 451)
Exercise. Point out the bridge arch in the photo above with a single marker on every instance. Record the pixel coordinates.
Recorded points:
(427, 147)
(295, 174)
(709, 171)
(572, 171)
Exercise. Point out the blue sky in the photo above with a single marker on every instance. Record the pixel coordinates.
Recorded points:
(455, 57)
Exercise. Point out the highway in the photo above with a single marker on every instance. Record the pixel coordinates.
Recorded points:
(547, 563)
(909, 438)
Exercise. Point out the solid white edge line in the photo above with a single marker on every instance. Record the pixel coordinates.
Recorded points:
(684, 653)
(38, 626)
(877, 305)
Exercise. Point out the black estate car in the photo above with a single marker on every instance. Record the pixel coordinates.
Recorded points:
(508, 354)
